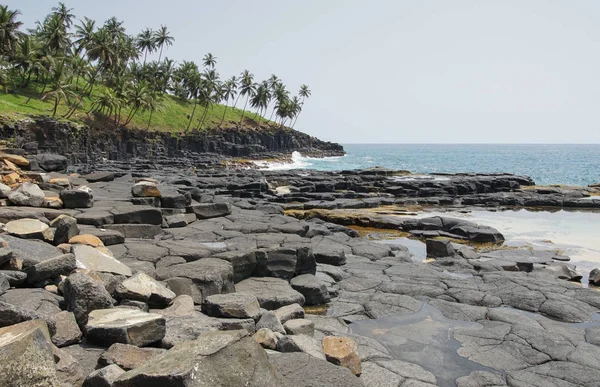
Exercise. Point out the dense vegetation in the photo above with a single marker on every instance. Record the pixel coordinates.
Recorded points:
(83, 71)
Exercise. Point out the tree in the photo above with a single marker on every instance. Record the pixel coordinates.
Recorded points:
(60, 91)
(209, 92)
(228, 91)
(247, 89)
(138, 98)
(84, 35)
(163, 38)
(63, 14)
(146, 42)
(260, 99)
(54, 35)
(209, 61)
(304, 93)
(9, 30)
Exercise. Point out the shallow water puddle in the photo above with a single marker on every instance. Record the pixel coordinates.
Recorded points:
(424, 338)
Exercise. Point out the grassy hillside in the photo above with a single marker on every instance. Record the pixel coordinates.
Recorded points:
(173, 116)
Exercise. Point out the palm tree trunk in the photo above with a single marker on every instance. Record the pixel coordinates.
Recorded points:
(204, 116)
(131, 115)
(223, 119)
(244, 111)
(160, 55)
(296, 118)
(192, 117)
(145, 56)
(56, 101)
(150, 119)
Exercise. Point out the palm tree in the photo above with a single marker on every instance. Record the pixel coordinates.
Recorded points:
(247, 89)
(138, 98)
(84, 34)
(209, 92)
(209, 61)
(163, 38)
(260, 100)
(106, 103)
(63, 14)
(281, 94)
(9, 30)
(228, 91)
(304, 93)
(60, 91)
(145, 42)
(25, 57)
(154, 103)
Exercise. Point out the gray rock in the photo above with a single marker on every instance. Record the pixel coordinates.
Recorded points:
(14, 314)
(142, 287)
(294, 369)
(66, 228)
(301, 343)
(51, 268)
(27, 194)
(207, 356)
(289, 312)
(279, 263)
(188, 327)
(141, 231)
(4, 284)
(125, 326)
(26, 357)
(208, 276)
(15, 278)
(67, 330)
(52, 162)
(299, 327)
(103, 377)
(90, 258)
(211, 210)
(27, 228)
(314, 291)
(481, 379)
(439, 248)
(97, 177)
(127, 357)
(95, 218)
(30, 251)
(272, 293)
(232, 305)
(270, 321)
(137, 215)
(243, 262)
(83, 295)
(594, 278)
(266, 338)
(108, 237)
(77, 198)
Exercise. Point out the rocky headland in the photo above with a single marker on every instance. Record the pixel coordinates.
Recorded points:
(144, 271)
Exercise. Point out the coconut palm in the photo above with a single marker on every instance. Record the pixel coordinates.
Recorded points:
(209, 92)
(145, 42)
(54, 35)
(228, 91)
(260, 99)
(209, 61)
(63, 14)
(304, 93)
(163, 38)
(9, 30)
(25, 57)
(84, 35)
(247, 89)
(138, 98)
(60, 91)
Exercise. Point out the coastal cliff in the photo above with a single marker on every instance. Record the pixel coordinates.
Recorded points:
(89, 144)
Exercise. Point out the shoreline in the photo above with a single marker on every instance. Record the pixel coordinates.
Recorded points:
(212, 241)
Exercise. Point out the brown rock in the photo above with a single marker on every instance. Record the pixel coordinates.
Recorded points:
(266, 338)
(86, 239)
(15, 159)
(342, 351)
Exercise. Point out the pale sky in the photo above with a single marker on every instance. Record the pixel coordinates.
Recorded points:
(396, 71)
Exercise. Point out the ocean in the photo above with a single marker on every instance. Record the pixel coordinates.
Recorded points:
(546, 164)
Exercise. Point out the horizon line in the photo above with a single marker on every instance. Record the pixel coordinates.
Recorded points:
(468, 143)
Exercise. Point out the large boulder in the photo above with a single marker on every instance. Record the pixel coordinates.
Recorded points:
(91, 258)
(314, 291)
(27, 229)
(51, 162)
(145, 189)
(232, 305)
(67, 330)
(26, 357)
(125, 326)
(30, 252)
(27, 194)
(103, 377)
(66, 228)
(301, 369)
(84, 295)
(211, 210)
(81, 197)
(439, 248)
(342, 351)
(202, 278)
(128, 356)
(215, 359)
(51, 268)
(137, 215)
(272, 293)
(142, 287)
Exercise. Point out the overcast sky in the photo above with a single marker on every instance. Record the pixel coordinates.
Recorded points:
(396, 71)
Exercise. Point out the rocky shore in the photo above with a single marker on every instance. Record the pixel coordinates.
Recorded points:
(155, 272)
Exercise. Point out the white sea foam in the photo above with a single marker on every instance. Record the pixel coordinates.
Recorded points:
(298, 162)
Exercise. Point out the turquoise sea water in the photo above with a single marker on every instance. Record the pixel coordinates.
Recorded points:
(546, 164)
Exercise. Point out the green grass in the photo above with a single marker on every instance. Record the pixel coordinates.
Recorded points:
(173, 116)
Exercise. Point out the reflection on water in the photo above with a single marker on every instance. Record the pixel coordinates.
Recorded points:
(424, 338)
